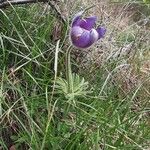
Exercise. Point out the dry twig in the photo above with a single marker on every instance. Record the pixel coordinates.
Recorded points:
(5, 3)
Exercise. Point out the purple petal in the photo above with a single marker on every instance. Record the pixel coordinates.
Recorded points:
(101, 31)
(88, 23)
(80, 37)
(93, 37)
(77, 18)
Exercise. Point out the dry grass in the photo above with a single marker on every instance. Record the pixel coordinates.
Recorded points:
(125, 34)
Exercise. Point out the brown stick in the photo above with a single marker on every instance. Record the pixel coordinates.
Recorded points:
(5, 3)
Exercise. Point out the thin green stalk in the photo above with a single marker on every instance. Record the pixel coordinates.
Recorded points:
(86, 9)
(68, 71)
(50, 113)
(1, 92)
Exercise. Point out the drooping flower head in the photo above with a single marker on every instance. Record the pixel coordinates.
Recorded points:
(83, 34)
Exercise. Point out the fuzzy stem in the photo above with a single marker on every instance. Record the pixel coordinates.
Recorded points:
(68, 70)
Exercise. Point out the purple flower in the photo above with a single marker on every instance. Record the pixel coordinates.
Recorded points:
(83, 34)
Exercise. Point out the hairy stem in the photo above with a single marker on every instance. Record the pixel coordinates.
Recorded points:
(68, 70)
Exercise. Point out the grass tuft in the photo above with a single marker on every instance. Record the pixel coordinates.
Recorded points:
(108, 106)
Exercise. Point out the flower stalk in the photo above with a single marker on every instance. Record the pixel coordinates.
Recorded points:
(68, 70)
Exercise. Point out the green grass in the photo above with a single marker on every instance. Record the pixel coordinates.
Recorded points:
(36, 113)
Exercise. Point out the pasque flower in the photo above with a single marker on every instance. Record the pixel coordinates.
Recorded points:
(83, 34)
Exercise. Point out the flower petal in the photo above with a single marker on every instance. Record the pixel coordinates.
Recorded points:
(77, 18)
(101, 31)
(80, 37)
(93, 37)
(88, 23)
